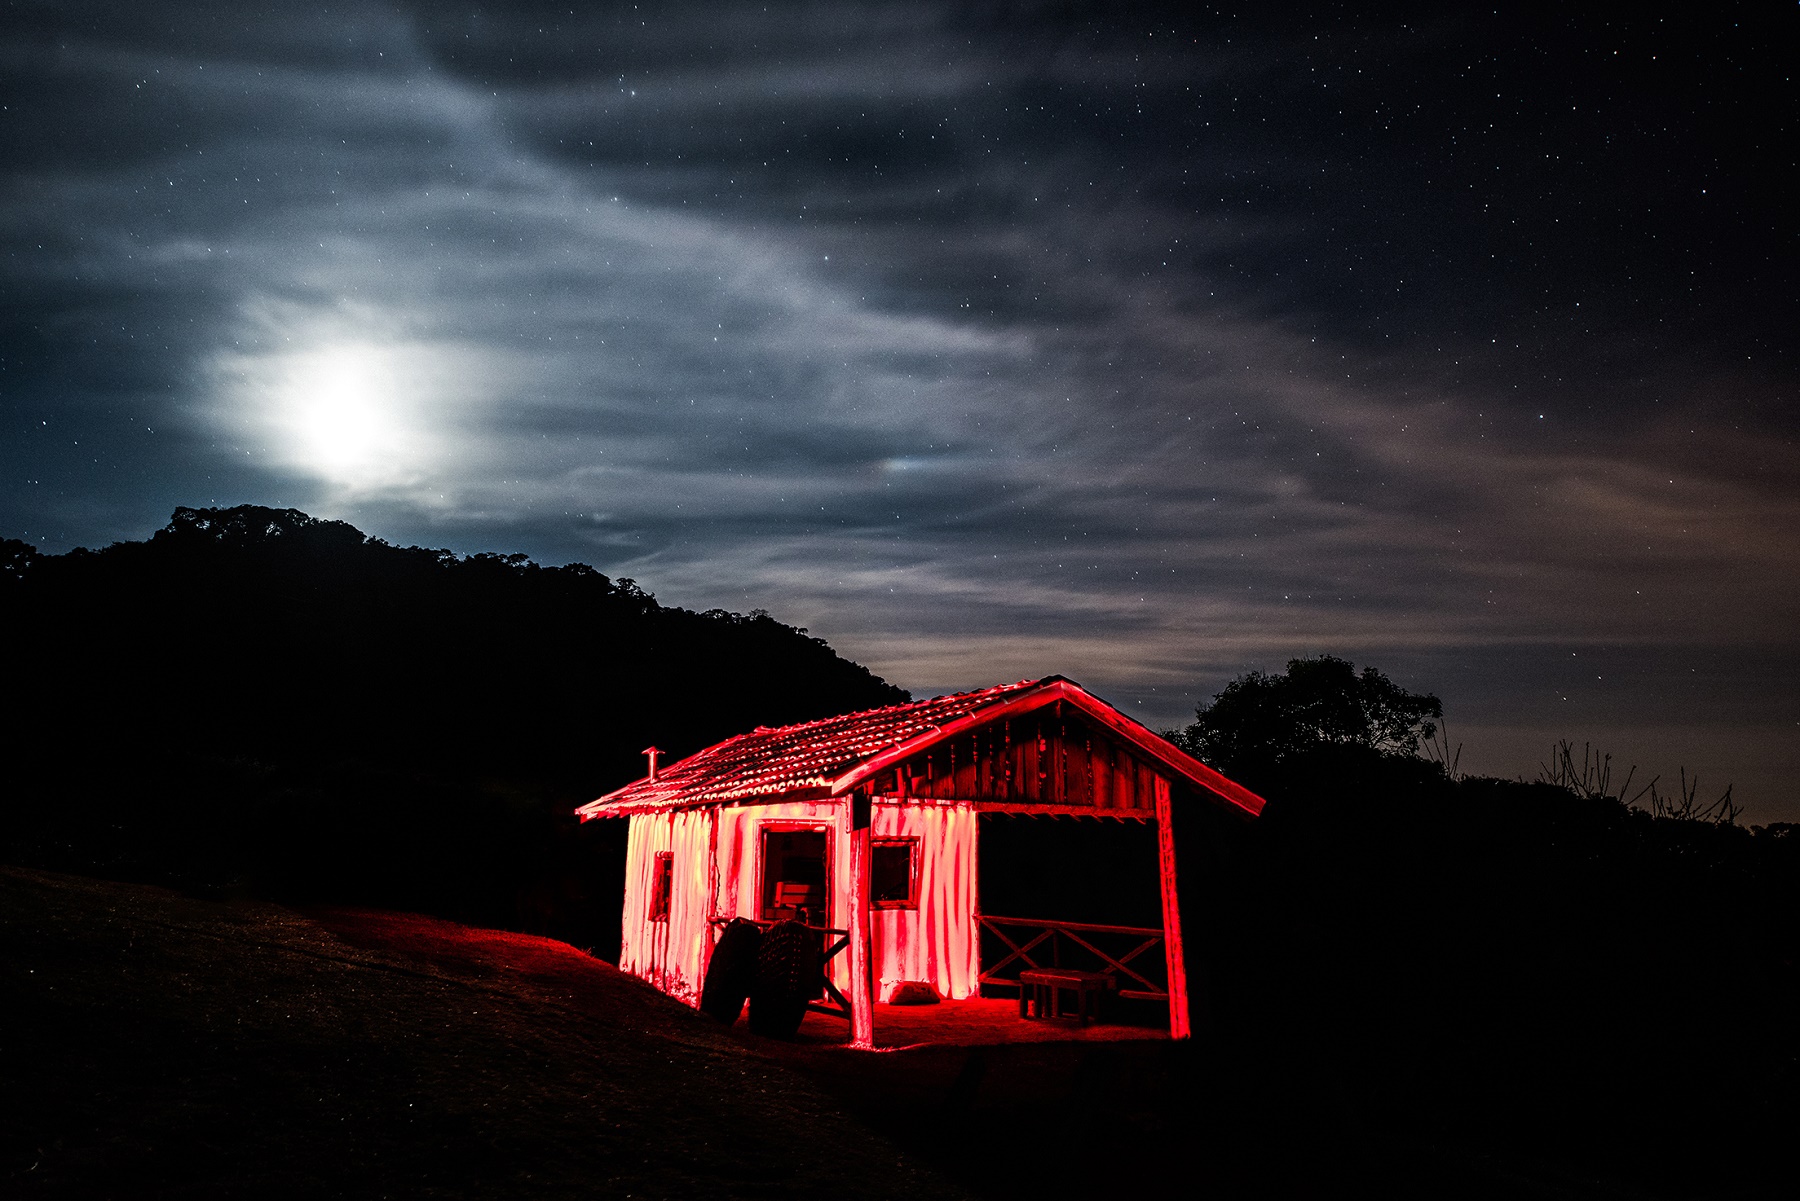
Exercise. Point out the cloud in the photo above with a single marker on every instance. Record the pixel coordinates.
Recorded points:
(984, 350)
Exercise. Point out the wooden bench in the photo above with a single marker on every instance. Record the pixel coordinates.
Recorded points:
(1041, 992)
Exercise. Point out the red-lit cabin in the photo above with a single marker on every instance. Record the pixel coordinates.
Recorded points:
(869, 822)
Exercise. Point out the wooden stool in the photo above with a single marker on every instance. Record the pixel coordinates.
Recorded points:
(1045, 987)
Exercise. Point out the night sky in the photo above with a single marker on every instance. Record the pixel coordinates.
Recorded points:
(985, 341)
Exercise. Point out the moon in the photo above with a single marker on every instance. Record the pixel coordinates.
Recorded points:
(346, 412)
(342, 408)
(358, 413)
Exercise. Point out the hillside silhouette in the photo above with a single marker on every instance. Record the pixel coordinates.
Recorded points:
(256, 699)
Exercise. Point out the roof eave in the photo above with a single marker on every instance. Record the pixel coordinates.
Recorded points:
(614, 804)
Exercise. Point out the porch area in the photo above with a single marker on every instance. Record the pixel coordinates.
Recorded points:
(976, 1022)
(1124, 965)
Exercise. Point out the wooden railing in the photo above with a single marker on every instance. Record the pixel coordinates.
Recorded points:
(1083, 936)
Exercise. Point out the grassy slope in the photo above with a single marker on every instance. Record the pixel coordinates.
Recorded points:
(153, 1045)
(158, 1046)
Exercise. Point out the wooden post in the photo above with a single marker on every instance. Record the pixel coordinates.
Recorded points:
(708, 930)
(661, 932)
(712, 865)
(1171, 908)
(862, 1000)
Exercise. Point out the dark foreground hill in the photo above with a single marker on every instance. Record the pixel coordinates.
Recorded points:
(1546, 975)
(257, 700)
(160, 1046)
(163, 1046)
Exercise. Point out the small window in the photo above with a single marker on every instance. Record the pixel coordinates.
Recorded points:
(894, 873)
(661, 882)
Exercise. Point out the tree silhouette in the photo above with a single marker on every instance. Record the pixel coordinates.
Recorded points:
(16, 558)
(1259, 722)
(259, 695)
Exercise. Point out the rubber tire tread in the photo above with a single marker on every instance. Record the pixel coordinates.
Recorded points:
(788, 975)
(732, 972)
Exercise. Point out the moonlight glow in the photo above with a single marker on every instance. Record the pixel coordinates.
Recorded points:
(343, 403)
(358, 415)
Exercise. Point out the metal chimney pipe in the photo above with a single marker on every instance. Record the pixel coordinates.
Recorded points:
(653, 753)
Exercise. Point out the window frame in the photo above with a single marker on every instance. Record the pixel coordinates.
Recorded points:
(911, 843)
(662, 887)
(792, 825)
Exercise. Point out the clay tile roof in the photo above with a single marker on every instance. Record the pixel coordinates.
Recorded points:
(804, 758)
(826, 757)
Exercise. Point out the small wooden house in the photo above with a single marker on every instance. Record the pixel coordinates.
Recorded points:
(866, 824)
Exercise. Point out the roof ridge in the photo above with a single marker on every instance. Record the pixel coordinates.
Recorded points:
(930, 700)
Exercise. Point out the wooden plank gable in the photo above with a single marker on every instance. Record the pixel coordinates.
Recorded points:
(1054, 758)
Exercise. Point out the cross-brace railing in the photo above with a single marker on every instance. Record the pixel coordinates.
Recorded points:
(1020, 948)
(838, 1006)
